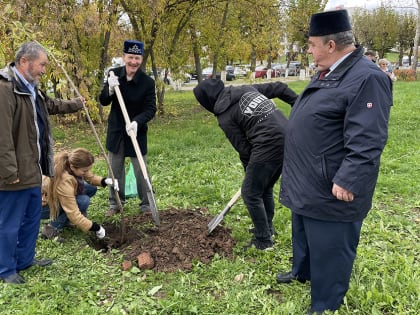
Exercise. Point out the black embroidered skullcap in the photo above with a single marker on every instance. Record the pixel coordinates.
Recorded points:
(133, 47)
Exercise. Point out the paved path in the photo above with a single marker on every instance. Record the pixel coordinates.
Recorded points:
(193, 83)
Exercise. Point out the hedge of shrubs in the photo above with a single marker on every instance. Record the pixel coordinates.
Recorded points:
(405, 74)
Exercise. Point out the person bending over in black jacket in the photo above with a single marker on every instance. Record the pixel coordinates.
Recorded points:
(256, 129)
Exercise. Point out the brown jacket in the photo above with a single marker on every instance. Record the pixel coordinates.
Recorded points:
(19, 132)
(67, 191)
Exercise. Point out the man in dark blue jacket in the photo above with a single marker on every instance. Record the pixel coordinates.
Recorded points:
(337, 130)
(255, 128)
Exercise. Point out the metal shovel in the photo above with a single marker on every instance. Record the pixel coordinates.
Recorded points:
(133, 138)
(217, 219)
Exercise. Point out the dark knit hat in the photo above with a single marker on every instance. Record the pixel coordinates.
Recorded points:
(329, 22)
(133, 47)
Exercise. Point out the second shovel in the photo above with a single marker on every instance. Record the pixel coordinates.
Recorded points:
(217, 219)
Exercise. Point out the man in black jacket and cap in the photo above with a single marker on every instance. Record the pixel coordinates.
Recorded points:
(337, 131)
(138, 91)
(256, 129)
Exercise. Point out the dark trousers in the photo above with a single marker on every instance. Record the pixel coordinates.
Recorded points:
(20, 215)
(257, 194)
(117, 161)
(323, 253)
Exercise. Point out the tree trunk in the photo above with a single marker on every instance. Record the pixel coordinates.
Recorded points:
(102, 66)
(196, 52)
(253, 57)
(218, 49)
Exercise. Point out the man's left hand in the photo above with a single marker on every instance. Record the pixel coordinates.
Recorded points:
(342, 194)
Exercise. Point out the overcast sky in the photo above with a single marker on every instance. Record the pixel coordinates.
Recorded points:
(367, 3)
(352, 3)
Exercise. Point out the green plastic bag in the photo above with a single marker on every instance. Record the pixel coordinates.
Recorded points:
(130, 183)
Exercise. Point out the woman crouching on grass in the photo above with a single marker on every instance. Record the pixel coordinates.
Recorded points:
(69, 193)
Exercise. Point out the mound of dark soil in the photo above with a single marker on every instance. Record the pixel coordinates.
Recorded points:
(180, 239)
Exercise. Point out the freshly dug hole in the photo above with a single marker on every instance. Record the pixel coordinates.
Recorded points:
(180, 240)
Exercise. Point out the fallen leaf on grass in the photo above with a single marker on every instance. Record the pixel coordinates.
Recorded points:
(154, 290)
(239, 277)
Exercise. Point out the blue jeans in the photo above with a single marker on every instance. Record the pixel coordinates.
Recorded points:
(45, 212)
(257, 194)
(20, 213)
(83, 202)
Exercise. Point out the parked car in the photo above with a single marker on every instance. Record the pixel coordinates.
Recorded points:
(239, 72)
(261, 72)
(169, 80)
(161, 75)
(194, 75)
(230, 76)
(405, 61)
(208, 72)
(293, 69)
(230, 73)
(187, 77)
(279, 70)
(230, 68)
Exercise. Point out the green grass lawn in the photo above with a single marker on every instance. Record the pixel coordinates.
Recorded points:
(191, 165)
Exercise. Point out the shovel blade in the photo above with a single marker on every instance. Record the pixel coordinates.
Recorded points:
(214, 223)
(153, 208)
(217, 219)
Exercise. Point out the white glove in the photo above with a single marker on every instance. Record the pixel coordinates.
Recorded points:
(101, 233)
(114, 185)
(132, 126)
(112, 83)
